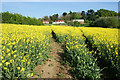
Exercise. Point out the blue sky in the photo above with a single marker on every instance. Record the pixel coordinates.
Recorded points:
(60, 0)
(40, 9)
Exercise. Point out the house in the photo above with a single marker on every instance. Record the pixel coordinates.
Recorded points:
(45, 22)
(58, 22)
(79, 20)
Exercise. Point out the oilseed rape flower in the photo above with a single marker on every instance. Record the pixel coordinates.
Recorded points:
(31, 74)
(7, 63)
(3, 61)
(22, 70)
(18, 68)
(5, 68)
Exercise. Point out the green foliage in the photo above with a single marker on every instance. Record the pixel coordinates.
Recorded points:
(85, 25)
(111, 62)
(106, 22)
(54, 17)
(76, 23)
(75, 15)
(64, 14)
(19, 19)
(83, 63)
(91, 15)
(106, 13)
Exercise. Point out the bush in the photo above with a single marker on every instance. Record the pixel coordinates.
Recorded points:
(86, 24)
(106, 22)
(76, 23)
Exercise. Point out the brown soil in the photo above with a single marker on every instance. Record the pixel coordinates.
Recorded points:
(53, 67)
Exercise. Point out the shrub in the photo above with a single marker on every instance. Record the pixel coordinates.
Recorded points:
(76, 23)
(106, 22)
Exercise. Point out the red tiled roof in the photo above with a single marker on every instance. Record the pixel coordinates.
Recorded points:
(59, 21)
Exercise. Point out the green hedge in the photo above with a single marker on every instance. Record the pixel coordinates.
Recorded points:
(106, 22)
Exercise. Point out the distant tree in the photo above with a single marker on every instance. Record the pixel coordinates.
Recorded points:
(70, 12)
(75, 15)
(68, 17)
(83, 13)
(106, 13)
(91, 15)
(64, 14)
(46, 18)
(90, 12)
(54, 17)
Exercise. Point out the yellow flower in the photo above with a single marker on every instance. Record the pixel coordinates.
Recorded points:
(14, 56)
(3, 47)
(8, 50)
(28, 63)
(15, 51)
(12, 52)
(5, 68)
(3, 61)
(9, 54)
(23, 60)
(7, 63)
(116, 53)
(11, 60)
(18, 68)
(37, 57)
(16, 77)
(22, 70)
(2, 57)
(39, 53)
(100, 53)
(31, 74)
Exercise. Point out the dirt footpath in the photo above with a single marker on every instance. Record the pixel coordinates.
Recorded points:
(53, 67)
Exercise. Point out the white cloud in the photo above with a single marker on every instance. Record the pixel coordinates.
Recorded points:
(60, 0)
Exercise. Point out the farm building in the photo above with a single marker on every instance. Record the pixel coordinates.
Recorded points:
(45, 22)
(79, 20)
(59, 22)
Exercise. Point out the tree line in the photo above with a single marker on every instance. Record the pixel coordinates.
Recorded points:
(19, 19)
(90, 16)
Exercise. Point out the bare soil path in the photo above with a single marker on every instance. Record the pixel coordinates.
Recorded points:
(53, 67)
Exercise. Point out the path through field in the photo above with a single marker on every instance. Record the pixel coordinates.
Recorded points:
(53, 67)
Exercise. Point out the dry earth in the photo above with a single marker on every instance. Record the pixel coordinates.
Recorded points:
(53, 67)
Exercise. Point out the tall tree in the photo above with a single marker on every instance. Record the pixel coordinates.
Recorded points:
(83, 14)
(46, 18)
(75, 15)
(64, 14)
(91, 15)
(106, 13)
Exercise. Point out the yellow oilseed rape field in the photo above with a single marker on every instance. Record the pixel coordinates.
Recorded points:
(106, 41)
(77, 54)
(104, 44)
(25, 46)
